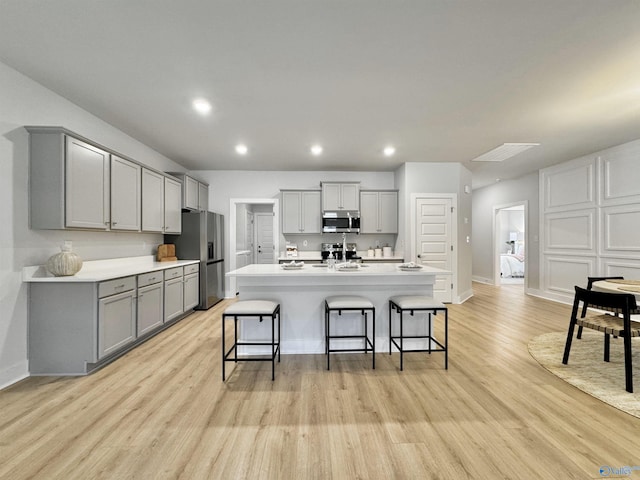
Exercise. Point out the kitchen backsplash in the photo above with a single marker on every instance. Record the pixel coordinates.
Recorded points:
(364, 241)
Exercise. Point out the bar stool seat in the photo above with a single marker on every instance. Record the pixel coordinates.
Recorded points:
(418, 303)
(259, 309)
(353, 303)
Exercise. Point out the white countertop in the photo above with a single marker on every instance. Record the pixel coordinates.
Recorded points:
(376, 270)
(100, 270)
(313, 256)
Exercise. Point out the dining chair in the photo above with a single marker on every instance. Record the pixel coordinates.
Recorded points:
(590, 281)
(623, 326)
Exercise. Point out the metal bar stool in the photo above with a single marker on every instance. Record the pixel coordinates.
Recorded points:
(260, 309)
(350, 303)
(418, 303)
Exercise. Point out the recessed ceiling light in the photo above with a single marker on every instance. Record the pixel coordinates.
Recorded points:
(389, 150)
(242, 149)
(504, 151)
(316, 150)
(201, 106)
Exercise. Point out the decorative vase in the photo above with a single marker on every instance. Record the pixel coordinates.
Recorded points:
(65, 263)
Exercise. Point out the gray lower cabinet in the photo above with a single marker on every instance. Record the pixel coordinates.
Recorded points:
(191, 291)
(116, 315)
(150, 302)
(76, 327)
(173, 293)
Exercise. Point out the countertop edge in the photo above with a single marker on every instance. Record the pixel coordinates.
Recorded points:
(38, 273)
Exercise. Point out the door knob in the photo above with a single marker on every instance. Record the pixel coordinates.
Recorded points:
(419, 256)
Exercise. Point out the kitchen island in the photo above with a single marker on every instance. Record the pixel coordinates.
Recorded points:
(301, 293)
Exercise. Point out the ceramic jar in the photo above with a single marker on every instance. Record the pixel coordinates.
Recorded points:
(65, 263)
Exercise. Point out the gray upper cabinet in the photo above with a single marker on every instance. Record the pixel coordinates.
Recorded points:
(125, 194)
(379, 211)
(195, 194)
(190, 199)
(203, 197)
(161, 203)
(77, 184)
(68, 181)
(152, 201)
(301, 211)
(172, 206)
(340, 196)
(87, 186)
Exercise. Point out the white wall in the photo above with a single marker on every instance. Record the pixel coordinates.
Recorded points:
(590, 209)
(24, 102)
(439, 178)
(500, 194)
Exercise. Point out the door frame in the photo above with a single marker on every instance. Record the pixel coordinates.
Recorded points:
(454, 233)
(230, 285)
(494, 240)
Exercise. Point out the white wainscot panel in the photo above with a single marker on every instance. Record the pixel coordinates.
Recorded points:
(621, 230)
(623, 267)
(570, 231)
(569, 187)
(562, 273)
(620, 174)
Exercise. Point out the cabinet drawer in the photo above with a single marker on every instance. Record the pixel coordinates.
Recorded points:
(118, 285)
(172, 273)
(149, 278)
(191, 269)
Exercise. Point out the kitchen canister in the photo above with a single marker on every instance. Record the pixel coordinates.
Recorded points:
(370, 252)
(378, 253)
(65, 263)
(386, 252)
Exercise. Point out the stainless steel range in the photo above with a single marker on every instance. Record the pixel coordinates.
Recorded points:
(336, 248)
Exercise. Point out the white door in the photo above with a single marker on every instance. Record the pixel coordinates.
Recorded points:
(264, 237)
(434, 241)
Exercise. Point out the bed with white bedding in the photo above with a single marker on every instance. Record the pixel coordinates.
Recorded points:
(511, 266)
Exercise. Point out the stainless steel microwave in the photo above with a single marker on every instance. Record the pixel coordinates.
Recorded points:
(338, 222)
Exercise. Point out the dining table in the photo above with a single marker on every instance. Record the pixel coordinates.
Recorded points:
(620, 286)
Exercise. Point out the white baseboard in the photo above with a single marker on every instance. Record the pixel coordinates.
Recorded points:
(484, 280)
(14, 374)
(464, 296)
(554, 297)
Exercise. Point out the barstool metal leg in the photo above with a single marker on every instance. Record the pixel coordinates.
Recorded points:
(401, 341)
(446, 339)
(273, 347)
(390, 334)
(223, 349)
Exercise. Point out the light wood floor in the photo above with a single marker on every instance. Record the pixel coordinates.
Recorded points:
(162, 411)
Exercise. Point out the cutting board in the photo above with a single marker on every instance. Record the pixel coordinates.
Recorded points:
(167, 253)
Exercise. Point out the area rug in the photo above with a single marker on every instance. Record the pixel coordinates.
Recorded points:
(587, 371)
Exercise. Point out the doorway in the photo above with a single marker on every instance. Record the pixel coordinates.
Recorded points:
(510, 259)
(244, 216)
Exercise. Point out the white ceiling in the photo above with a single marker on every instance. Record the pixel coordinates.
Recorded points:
(444, 81)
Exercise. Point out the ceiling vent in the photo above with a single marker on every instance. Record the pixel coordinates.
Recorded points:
(504, 151)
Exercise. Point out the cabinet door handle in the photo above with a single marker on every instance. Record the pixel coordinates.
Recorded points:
(113, 224)
(119, 286)
(152, 279)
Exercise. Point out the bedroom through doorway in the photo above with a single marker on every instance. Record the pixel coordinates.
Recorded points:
(510, 245)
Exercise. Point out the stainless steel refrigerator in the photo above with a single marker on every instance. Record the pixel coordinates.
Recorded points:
(202, 238)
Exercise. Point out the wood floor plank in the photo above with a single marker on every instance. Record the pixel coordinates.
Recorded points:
(162, 411)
